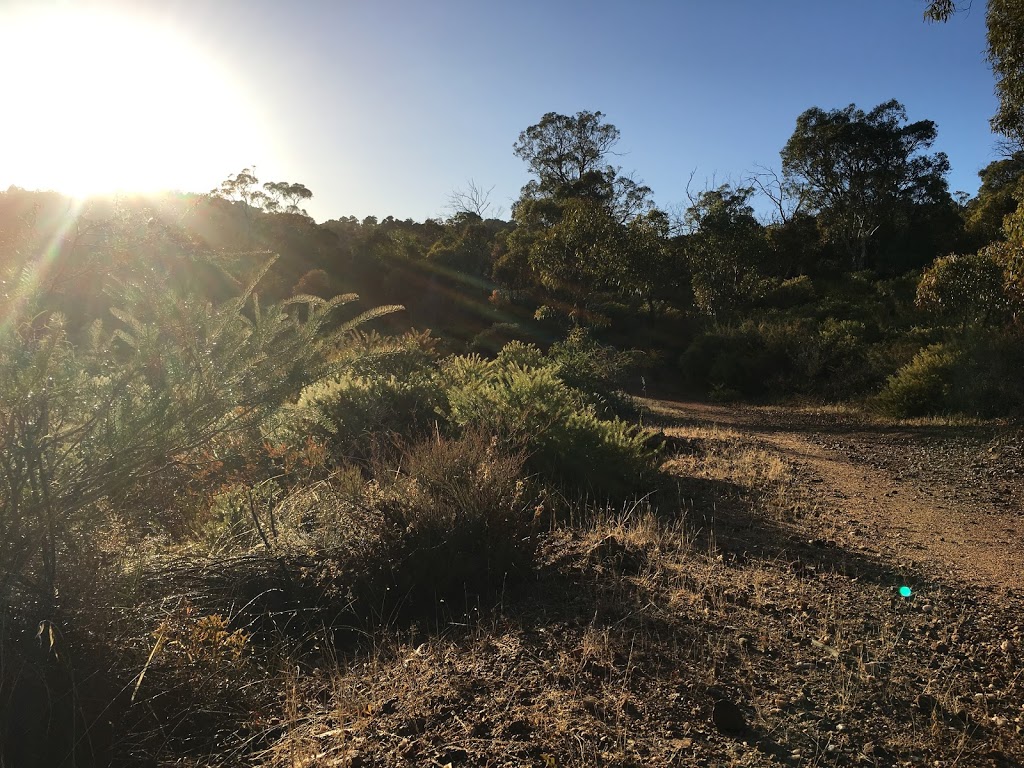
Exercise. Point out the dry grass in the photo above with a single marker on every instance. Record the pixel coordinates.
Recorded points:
(636, 627)
(743, 468)
(614, 652)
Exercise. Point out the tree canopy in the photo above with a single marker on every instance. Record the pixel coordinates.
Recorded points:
(861, 170)
(1005, 22)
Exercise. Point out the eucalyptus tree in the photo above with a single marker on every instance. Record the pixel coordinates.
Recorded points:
(1004, 20)
(724, 248)
(580, 221)
(863, 171)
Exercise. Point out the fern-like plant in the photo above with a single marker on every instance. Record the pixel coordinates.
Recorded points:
(80, 426)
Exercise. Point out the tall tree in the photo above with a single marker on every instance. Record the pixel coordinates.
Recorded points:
(1002, 189)
(724, 248)
(1005, 21)
(861, 170)
(576, 222)
(569, 156)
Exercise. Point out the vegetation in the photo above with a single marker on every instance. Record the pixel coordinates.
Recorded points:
(229, 456)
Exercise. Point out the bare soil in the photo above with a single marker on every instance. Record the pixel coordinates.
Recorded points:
(945, 501)
(749, 614)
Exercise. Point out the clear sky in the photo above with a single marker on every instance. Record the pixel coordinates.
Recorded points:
(383, 107)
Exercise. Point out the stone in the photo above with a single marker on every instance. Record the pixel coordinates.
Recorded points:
(728, 718)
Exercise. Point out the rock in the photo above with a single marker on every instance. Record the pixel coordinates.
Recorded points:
(927, 704)
(728, 718)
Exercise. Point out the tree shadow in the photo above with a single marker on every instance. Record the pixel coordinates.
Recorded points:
(787, 420)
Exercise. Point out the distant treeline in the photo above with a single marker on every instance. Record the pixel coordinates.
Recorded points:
(852, 278)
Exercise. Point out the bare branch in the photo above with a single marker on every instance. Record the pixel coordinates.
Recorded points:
(787, 198)
(474, 199)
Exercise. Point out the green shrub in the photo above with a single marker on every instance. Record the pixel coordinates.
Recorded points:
(923, 385)
(786, 294)
(598, 370)
(355, 413)
(968, 289)
(977, 374)
(492, 339)
(522, 354)
(386, 386)
(80, 427)
(373, 355)
(733, 362)
(565, 440)
(780, 356)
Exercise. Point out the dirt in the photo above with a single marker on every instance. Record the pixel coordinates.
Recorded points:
(749, 613)
(945, 501)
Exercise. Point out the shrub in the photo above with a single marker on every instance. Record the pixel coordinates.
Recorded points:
(387, 386)
(598, 370)
(441, 519)
(964, 288)
(492, 339)
(977, 373)
(786, 294)
(353, 414)
(923, 385)
(464, 517)
(81, 426)
(565, 440)
(732, 362)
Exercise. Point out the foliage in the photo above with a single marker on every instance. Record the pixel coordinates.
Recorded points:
(999, 195)
(80, 426)
(1011, 255)
(497, 336)
(465, 246)
(922, 386)
(976, 373)
(568, 157)
(383, 388)
(786, 294)
(724, 248)
(828, 358)
(1005, 22)
(967, 288)
(464, 519)
(581, 226)
(579, 252)
(356, 413)
(597, 370)
(273, 197)
(940, 10)
(439, 519)
(565, 440)
(862, 171)
(316, 282)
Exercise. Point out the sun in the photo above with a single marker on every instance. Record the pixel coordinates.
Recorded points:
(100, 102)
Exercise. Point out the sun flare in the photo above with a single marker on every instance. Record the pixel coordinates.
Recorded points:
(104, 102)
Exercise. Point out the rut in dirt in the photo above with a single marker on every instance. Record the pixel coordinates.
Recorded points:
(897, 494)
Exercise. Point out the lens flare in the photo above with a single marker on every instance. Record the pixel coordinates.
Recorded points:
(101, 101)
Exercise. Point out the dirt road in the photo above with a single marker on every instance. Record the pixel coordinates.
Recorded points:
(946, 501)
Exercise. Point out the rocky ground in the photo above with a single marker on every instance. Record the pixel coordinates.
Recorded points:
(749, 613)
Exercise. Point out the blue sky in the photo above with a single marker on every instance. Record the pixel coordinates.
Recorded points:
(384, 107)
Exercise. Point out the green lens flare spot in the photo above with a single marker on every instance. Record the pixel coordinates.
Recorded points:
(906, 592)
